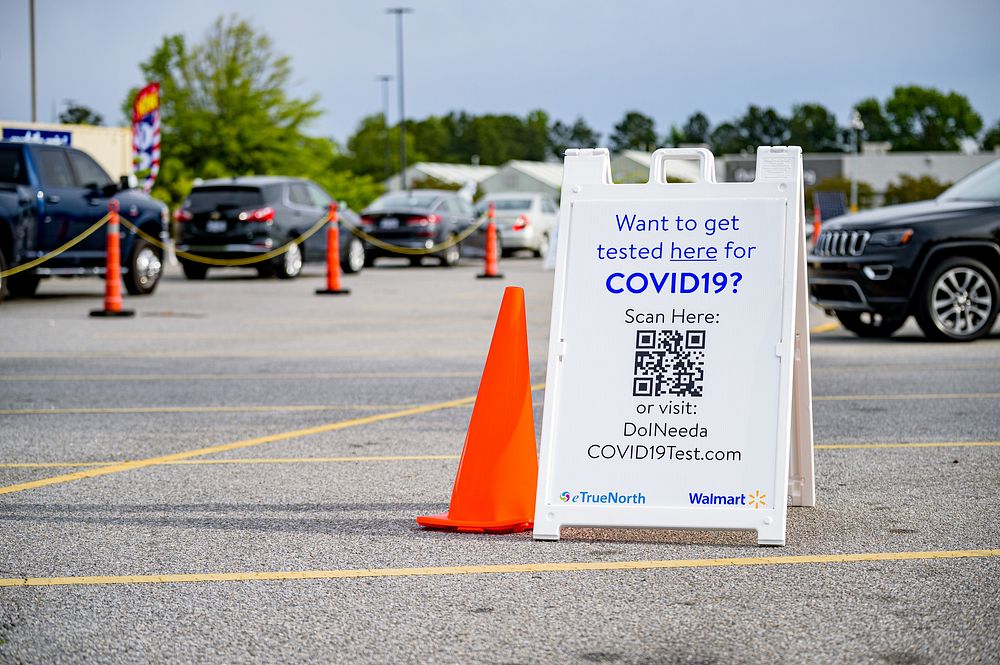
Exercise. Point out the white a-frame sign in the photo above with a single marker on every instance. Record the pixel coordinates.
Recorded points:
(678, 389)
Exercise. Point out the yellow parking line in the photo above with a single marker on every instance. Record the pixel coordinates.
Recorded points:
(912, 396)
(948, 444)
(419, 458)
(236, 445)
(202, 409)
(236, 377)
(554, 567)
(825, 327)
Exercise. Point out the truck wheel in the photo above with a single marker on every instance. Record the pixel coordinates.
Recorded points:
(24, 285)
(868, 324)
(289, 264)
(958, 302)
(194, 270)
(145, 266)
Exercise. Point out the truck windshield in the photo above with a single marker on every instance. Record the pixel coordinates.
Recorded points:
(12, 166)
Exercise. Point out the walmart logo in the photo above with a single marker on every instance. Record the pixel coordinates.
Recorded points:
(755, 500)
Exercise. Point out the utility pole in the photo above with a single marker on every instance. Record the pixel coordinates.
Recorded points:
(857, 125)
(399, 11)
(31, 41)
(384, 80)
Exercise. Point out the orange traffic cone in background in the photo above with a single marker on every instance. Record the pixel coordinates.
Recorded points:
(495, 487)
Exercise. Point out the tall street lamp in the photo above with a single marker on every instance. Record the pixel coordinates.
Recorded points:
(384, 80)
(399, 11)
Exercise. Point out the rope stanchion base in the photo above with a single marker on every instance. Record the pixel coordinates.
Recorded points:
(108, 313)
(333, 292)
(496, 275)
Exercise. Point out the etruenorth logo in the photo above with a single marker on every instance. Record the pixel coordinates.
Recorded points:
(636, 498)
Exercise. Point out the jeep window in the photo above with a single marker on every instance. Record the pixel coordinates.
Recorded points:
(206, 199)
(981, 185)
(88, 172)
(12, 166)
(55, 168)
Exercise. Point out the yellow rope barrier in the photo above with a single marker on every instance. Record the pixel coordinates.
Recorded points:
(246, 261)
(415, 251)
(57, 251)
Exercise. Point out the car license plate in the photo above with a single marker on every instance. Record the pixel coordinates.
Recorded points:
(389, 223)
(216, 226)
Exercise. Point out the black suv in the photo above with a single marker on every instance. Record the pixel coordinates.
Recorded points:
(243, 217)
(938, 260)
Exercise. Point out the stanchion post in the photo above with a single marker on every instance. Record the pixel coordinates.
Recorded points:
(490, 270)
(113, 269)
(333, 287)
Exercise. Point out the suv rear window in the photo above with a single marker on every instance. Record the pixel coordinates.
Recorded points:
(12, 166)
(220, 198)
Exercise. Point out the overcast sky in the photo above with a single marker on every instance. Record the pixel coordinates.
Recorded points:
(665, 58)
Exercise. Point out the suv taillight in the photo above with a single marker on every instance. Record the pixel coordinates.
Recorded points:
(429, 220)
(367, 221)
(521, 223)
(258, 215)
(183, 215)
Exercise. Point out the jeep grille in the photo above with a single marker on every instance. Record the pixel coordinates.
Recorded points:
(841, 243)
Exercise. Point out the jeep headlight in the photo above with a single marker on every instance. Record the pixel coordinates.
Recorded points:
(893, 238)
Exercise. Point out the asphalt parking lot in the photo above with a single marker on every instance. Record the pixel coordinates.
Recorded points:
(233, 476)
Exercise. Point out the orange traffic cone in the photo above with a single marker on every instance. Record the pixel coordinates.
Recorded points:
(495, 487)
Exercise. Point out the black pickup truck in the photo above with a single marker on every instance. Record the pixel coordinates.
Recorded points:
(51, 194)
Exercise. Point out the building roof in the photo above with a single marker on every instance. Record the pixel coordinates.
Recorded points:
(545, 172)
(458, 174)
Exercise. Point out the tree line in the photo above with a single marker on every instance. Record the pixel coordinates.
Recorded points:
(226, 110)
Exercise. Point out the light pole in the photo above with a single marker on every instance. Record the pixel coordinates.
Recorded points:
(384, 80)
(399, 11)
(31, 40)
(857, 125)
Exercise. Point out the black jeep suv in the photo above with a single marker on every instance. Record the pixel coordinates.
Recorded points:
(938, 260)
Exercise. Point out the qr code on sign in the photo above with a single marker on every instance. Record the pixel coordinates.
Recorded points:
(669, 362)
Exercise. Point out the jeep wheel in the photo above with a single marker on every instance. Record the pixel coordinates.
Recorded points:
(144, 269)
(959, 301)
(868, 324)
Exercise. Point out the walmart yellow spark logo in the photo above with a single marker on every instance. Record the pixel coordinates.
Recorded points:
(756, 499)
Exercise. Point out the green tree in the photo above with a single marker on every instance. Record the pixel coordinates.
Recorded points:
(814, 128)
(918, 118)
(910, 189)
(758, 126)
(876, 125)
(991, 139)
(635, 132)
(726, 139)
(226, 110)
(78, 114)
(577, 135)
(866, 193)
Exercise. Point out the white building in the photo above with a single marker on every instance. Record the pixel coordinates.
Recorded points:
(521, 176)
(632, 166)
(452, 174)
(110, 146)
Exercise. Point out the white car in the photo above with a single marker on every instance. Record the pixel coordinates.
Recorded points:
(523, 220)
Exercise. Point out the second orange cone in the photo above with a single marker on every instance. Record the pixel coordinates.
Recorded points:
(495, 487)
